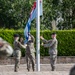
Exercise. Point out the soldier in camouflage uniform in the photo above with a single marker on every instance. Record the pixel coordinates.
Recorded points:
(52, 44)
(30, 53)
(17, 51)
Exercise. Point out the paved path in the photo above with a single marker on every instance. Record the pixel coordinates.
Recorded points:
(61, 69)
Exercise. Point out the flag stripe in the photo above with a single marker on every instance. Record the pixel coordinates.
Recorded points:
(32, 16)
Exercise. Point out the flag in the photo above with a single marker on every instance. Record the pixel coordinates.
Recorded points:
(32, 17)
(33, 12)
(27, 30)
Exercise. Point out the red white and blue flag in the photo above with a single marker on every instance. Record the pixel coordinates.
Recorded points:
(32, 17)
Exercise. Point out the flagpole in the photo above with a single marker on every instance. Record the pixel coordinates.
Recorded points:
(38, 36)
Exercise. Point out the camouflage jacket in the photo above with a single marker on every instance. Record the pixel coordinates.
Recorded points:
(30, 45)
(52, 44)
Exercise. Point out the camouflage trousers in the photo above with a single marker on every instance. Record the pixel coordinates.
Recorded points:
(30, 58)
(17, 55)
(53, 60)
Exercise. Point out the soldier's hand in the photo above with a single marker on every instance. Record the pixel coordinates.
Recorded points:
(29, 33)
(21, 39)
(19, 42)
(41, 37)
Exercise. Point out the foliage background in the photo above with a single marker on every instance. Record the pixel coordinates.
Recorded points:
(15, 13)
(66, 40)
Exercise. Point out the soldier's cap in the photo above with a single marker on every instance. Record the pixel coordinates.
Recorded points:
(16, 35)
(53, 33)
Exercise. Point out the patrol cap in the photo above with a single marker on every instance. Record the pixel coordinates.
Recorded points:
(16, 35)
(53, 33)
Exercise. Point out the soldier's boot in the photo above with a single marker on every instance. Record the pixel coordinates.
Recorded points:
(16, 67)
(28, 67)
(33, 64)
(16, 70)
(33, 68)
(53, 68)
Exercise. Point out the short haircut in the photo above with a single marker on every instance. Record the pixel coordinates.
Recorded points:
(16, 35)
(53, 33)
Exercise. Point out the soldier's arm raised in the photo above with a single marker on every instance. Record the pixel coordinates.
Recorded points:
(43, 40)
(32, 38)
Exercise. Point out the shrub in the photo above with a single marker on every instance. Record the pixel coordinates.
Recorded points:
(66, 40)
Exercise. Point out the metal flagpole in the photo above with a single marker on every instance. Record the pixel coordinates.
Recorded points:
(38, 36)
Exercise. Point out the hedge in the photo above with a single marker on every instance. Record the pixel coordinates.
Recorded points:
(66, 40)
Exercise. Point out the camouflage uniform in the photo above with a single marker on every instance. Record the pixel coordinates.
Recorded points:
(52, 44)
(17, 54)
(30, 53)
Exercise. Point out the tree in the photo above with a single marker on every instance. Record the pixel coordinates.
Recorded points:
(68, 14)
(14, 13)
